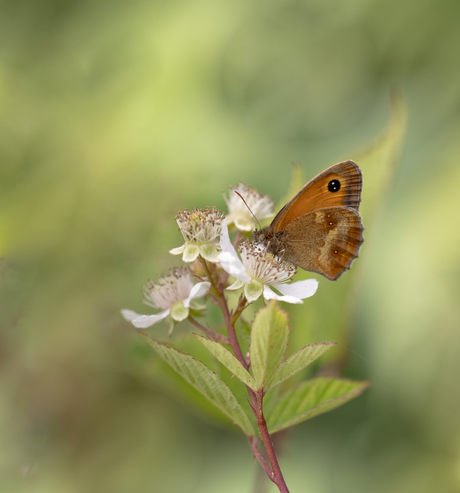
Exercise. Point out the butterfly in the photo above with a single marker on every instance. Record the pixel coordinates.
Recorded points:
(320, 229)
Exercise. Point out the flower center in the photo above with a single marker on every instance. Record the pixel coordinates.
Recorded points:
(263, 266)
(200, 226)
(169, 289)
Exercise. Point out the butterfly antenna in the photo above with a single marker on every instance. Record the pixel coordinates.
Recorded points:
(240, 196)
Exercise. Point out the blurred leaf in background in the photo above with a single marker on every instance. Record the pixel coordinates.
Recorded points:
(115, 115)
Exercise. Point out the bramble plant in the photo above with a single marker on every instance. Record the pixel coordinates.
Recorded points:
(214, 260)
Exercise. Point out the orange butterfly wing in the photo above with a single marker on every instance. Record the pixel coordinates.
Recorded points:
(337, 186)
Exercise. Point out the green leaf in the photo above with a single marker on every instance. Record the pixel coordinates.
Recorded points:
(269, 339)
(310, 399)
(205, 381)
(223, 355)
(298, 361)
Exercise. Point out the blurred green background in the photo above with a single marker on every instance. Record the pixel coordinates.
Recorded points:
(113, 116)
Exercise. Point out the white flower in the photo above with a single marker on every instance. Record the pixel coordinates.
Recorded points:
(200, 229)
(258, 269)
(239, 214)
(172, 293)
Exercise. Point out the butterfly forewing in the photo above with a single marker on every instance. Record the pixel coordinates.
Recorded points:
(339, 185)
(320, 229)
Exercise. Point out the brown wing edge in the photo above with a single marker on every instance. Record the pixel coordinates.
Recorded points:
(359, 239)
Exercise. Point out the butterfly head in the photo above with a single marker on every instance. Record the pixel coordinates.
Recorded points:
(262, 236)
(271, 241)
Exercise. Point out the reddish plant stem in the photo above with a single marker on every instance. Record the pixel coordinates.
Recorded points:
(274, 473)
(213, 335)
(232, 334)
(224, 307)
(253, 442)
(242, 304)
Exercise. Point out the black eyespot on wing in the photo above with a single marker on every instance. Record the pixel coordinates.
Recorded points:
(334, 186)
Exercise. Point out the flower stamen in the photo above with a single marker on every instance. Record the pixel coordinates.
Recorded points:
(201, 229)
(241, 211)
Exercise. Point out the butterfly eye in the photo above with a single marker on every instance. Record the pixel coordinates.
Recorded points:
(334, 186)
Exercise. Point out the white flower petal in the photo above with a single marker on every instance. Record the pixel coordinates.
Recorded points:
(271, 295)
(234, 266)
(225, 243)
(143, 321)
(129, 315)
(300, 289)
(178, 250)
(198, 291)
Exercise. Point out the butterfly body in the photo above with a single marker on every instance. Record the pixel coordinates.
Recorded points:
(320, 229)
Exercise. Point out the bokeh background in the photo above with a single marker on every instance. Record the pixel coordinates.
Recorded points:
(113, 116)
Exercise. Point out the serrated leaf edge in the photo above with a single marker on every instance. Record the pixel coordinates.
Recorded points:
(243, 375)
(261, 379)
(244, 423)
(346, 397)
(273, 383)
